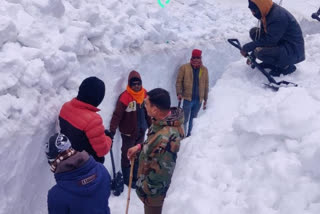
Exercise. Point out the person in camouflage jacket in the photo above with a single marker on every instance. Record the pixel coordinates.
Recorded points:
(159, 152)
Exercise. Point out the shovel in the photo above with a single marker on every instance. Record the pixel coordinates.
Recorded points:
(316, 15)
(272, 83)
(117, 181)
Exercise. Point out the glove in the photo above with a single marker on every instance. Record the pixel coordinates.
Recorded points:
(109, 133)
(249, 47)
(179, 97)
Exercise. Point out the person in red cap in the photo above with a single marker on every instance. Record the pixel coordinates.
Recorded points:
(132, 119)
(192, 86)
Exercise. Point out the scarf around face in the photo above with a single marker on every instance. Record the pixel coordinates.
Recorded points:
(195, 64)
(137, 96)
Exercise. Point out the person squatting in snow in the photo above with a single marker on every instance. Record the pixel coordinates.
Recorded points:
(192, 85)
(83, 185)
(279, 42)
(158, 154)
(80, 122)
(132, 119)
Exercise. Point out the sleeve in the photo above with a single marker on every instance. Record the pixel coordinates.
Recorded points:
(275, 31)
(179, 82)
(100, 143)
(55, 204)
(159, 178)
(117, 116)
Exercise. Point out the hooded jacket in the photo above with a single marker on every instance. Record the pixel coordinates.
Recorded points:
(158, 158)
(125, 115)
(281, 29)
(81, 191)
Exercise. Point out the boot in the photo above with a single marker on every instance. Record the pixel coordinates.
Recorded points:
(286, 70)
(289, 69)
(267, 66)
(275, 72)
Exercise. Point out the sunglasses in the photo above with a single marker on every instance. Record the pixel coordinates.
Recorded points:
(196, 58)
(136, 84)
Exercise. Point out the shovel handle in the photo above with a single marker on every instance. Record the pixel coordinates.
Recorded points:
(235, 43)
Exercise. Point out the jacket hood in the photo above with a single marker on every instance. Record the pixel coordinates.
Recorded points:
(264, 6)
(83, 181)
(134, 74)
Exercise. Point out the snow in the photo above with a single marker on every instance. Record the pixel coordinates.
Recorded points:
(252, 151)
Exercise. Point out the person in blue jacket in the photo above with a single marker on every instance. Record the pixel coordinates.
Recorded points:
(279, 42)
(83, 185)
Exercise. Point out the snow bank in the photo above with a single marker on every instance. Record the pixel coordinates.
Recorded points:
(252, 151)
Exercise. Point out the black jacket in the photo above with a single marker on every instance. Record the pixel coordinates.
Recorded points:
(284, 31)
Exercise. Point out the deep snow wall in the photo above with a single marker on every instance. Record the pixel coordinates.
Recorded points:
(49, 47)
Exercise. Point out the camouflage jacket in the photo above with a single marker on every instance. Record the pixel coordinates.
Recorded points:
(158, 158)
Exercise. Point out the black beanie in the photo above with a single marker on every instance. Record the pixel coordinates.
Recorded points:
(91, 91)
(160, 98)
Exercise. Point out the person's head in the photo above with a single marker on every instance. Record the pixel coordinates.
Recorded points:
(58, 148)
(157, 103)
(254, 10)
(134, 81)
(260, 8)
(196, 58)
(91, 91)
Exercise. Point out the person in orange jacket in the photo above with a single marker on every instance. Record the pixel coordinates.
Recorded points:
(132, 119)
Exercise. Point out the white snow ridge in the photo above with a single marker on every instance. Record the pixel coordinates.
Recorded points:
(253, 151)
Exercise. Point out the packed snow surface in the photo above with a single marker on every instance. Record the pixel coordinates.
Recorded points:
(253, 151)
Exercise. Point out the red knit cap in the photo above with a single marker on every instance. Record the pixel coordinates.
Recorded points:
(196, 53)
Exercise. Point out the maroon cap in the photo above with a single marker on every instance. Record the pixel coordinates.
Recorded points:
(196, 53)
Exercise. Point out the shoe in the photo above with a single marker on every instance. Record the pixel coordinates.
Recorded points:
(275, 72)
(265, 65)
(289, 69)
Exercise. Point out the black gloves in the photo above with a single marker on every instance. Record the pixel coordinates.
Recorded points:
(109, 133)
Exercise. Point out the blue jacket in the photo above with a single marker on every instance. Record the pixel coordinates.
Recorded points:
(85, 190)
(284, 31)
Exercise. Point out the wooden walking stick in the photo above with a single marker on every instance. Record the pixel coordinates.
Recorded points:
(130, 183)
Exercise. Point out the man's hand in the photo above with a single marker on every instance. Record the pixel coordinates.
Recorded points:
(204, 105)
(133, 151)
(249, 62)
(179, 97)
(243, 53)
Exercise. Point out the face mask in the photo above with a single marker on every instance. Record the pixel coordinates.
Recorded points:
(255, 10)
(257, 14)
